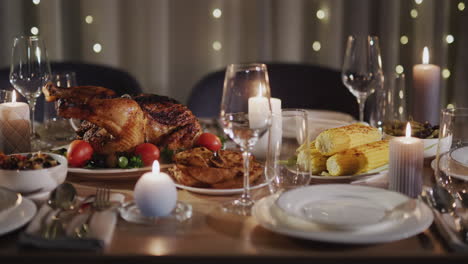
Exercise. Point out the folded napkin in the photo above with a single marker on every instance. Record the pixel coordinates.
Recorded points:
(101, 228)
(378, 180)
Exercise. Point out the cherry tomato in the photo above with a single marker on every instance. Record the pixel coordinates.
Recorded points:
(79, 153)
(148, 153)
(209, 141)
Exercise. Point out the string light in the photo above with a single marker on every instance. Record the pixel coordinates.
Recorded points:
(418, 2)
(446, 73)
(450, 39)
(400, 110)
(217, 13)
(414, 13)
(404, 40)
(399, 69)
(97, 48)
(461, 6)
(316, 46)
(36, 2)
(401, 94)
(320, 14)
(34, 30)
(217, 45)
(89, 19)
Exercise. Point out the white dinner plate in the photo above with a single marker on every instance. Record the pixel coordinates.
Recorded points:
(9, 200)
(451, 167)
(210, 191)
(460, 155)
(269, 216)
(111, 174)
(18, 217)
(374, 172)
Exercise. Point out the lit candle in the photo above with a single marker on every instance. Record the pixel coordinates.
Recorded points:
(14, 127)
(406, 164)
(257, 108)
(155, 193)
(426, 83)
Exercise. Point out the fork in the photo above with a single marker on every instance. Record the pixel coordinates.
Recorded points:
(101, 202)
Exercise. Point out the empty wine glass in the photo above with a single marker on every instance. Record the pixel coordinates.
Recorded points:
(29, 72)
(362, 69)
(54, 128)
(451, 163)
(245, 116)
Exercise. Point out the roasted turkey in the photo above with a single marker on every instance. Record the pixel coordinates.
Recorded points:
(118, 124)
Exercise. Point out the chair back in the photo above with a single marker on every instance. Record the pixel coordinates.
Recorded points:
(297, 85)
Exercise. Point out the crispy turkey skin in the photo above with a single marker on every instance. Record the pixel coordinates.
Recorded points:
(118, 124)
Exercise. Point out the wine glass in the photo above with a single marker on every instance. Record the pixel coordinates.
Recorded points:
(245, 116)
(362, 69)
(451, 163)
(56, 129)
(29, 72)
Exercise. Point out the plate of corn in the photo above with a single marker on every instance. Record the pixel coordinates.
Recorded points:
(347, 152)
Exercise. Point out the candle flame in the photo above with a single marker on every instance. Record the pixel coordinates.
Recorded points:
(408, 130)
(425, 57)
(13, 96)
(156, 168)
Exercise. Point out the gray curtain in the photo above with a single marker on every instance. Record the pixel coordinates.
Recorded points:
(170, 44)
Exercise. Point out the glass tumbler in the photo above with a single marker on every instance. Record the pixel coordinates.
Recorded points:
(288, 132)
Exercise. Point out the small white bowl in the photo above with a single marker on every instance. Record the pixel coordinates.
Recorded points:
(35, 181)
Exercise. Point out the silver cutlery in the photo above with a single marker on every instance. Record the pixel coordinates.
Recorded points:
(61, 199)
(101, 202)
(449, 224)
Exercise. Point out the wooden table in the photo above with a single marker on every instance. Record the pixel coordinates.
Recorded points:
(212, 236)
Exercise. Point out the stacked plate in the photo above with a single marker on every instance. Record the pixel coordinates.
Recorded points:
(342, 213)
(15, 211)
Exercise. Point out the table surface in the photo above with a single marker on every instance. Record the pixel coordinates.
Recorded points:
(212, 236)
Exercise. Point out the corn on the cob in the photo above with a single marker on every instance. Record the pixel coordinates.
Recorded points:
(359, 159)
(334, 140)
(310, 159)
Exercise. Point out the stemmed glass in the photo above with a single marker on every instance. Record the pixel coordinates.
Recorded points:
(29, 72)
(362, 69)
(451, 163)
(245, 116)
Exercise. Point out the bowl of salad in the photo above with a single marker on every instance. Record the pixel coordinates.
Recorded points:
(428, 133)
(35, 172)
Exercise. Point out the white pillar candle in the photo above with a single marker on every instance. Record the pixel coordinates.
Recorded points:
(155, 193)
(14, 127)
(260, 149)
(426, 91)
(406, 164)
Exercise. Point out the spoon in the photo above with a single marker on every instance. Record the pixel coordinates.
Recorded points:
(440, 199)
(62, 198)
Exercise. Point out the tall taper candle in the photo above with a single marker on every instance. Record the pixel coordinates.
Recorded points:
(426, 91)
(406, 164)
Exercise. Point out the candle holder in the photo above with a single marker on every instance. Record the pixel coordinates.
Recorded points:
(130, 213)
